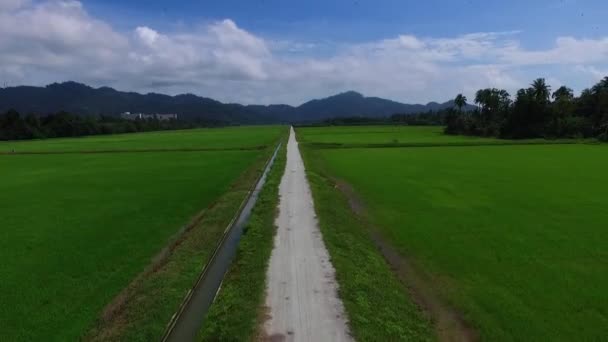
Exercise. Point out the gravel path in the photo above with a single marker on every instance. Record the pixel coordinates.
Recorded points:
(302, 299)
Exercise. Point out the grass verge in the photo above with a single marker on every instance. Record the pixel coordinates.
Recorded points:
(235, 313)
(377, 303)
(143, 309)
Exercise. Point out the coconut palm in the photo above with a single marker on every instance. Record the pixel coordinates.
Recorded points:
(563, 93)
(541, 90)
(460, 101)
(482, 97)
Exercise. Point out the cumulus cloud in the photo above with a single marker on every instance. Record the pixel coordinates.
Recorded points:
(56, 40)
(147, 35)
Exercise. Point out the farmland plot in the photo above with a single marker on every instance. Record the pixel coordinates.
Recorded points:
(75, 229)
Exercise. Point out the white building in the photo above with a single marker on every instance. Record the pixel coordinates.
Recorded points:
(142, 116)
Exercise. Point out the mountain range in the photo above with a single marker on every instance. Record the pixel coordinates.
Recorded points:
(81, 99)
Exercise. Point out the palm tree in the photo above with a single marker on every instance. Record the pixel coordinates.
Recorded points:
(541, 90)
(563, 93)
(600, 86)
(504, 98)
(460, 101)
(481, 97)
(563, 105)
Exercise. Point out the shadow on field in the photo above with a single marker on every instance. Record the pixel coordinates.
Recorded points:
(319, 145)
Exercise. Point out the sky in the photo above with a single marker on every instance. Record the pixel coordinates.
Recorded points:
(279, 51)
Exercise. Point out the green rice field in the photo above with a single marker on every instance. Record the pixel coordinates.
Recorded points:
(76, 228)
(513, 237)
(202, 138)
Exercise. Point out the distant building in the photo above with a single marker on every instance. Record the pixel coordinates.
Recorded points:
(142, 116)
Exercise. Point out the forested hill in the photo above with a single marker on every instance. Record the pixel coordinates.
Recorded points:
(81, 99)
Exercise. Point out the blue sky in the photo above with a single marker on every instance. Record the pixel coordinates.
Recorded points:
(365, 20)
(270, 51)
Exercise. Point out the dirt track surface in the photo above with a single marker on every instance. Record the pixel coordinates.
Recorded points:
(302, 295)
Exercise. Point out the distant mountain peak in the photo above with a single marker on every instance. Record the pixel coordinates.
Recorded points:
(69, 85)
(350, 93)
(186, 96)
(81, 99)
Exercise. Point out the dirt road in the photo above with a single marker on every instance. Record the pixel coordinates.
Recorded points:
(302, 296)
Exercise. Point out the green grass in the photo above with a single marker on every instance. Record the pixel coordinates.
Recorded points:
(76, 229)
(376, 302)
(204, 138)
(154, 296)
(405, 136)
(517, 233)
(235, 313)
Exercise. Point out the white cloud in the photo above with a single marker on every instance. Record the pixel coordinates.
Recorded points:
(62, 41)
(567, 50)
(220, 51)
(55, 35)
(147, 35)
(410, 42)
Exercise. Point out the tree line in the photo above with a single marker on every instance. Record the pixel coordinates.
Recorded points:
(14, 126)
(535, 112)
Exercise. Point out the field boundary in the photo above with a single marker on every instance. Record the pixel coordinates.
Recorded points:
(256, 187)
(362, 272)
(157, 261)
(449, 324)
(147, 150)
